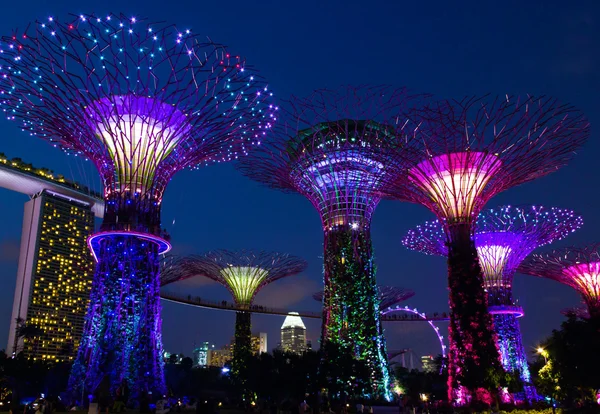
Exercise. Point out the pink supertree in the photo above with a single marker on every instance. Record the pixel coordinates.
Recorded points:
(577, 267)
(454, 157)
(503, 237)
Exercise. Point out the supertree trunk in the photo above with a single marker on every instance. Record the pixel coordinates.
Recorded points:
(351, 304)
(473, 357)
(242, 350)
(512, 353)
(122, 333)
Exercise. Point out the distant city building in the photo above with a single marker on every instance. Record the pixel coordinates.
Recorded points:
(219, 357)
(200, 355)
(428, 363)
(293, 334)
(54, 277)
(170, 358)
(259, 343)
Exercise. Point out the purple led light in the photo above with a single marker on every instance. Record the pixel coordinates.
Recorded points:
(95, 239)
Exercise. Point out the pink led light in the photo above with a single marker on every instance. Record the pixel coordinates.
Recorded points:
(455, 181)
(585, 277)
(507, 310)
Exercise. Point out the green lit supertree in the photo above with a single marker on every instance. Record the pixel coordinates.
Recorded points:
(334, 148)
(244, 273)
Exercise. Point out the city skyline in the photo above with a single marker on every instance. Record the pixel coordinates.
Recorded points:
(441, 72)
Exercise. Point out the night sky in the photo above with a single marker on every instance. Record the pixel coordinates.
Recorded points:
(447, 48)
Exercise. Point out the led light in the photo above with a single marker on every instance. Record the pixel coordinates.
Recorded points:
(455, 181)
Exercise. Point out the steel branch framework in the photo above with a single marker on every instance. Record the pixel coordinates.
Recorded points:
(334, 147)
(388, 296)
(504, 237)
(455, 156)
(577, 267)
(140, 100)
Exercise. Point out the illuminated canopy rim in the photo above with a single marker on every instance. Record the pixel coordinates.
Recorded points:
(59, 77)
(504, 236)
(243, 272)
(577, 267)
(456, 181)
(350, 120)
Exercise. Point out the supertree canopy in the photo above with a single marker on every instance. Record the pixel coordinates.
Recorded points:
(388, 296)
(503, 238)
(577, 267)
(141, 101)
(455, 157)
(578, 312)
(244, 274)
(333, 148)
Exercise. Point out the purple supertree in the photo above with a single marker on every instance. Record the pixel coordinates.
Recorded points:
(578, 267)
(244, 274)
(388, 296)
(334, 148)
(456, 156)
(503, 237)
(141, 101)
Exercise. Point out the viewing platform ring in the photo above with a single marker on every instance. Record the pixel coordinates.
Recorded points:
(506, 310)
(94, 240)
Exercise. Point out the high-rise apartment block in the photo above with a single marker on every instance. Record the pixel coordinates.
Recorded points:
(54, 278)
(220, 357)
(293, 334)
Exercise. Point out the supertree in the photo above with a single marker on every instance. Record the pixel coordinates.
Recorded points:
(455, 156)
(141, 101)
(388, 296)
(577, 267)
(333, 148)
(504, 236)
(579, 312)
(244, 274)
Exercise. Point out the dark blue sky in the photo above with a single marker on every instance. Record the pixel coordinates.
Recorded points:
(445, 48)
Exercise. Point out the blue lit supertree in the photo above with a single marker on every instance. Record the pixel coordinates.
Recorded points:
(334, 148)
(504, 237)
(141, 101)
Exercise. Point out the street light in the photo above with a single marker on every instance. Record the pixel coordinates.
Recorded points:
(543, 353)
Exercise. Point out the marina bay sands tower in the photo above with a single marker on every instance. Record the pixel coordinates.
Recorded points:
(55, 267)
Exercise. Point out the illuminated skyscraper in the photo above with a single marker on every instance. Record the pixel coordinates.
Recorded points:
(200, 354)
(428, 363)
(54, 277)
(259, 343)
(293, 334)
